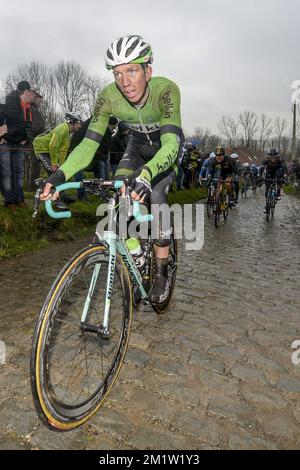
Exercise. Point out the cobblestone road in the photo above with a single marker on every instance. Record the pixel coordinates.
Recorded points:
(215, 372)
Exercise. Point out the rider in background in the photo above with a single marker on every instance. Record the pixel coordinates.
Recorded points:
(253, 175)
(52, 146)
(275, 167)
(205, 165)
(222, 167)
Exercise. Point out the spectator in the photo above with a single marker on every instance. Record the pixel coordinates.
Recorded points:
(101, 161)
(76, 139)
(38, 127)
(18, 121)
(181, 167)
(3, 126)
(3, 130)
(118, 145)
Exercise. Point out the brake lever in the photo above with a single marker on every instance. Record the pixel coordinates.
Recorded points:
(40, 183)
(36, 202)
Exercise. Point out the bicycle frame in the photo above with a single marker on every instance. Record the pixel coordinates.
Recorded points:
(115, 245)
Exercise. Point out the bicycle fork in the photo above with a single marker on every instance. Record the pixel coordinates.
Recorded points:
(103, 329)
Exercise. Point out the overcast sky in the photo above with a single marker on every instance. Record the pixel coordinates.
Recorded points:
(225, 55)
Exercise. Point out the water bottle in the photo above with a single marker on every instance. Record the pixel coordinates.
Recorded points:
(136, 252)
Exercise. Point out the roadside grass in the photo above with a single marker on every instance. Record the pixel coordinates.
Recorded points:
(20, 233)
(292, 189)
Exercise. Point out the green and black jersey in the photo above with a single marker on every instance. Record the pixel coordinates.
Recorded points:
(158, 120)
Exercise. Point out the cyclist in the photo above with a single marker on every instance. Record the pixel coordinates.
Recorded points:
(260, 171)
(222, 167)
(275, 167)
(150, 108)
(253, 175)
(203, 171)
(52, 146)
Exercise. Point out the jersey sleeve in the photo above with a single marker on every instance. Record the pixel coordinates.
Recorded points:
(83, 154)
(170, 130)
(55, 145)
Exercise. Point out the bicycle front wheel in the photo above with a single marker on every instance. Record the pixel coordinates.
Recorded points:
(209, 203)
(74, 364)
(225, 207)
(219, 203)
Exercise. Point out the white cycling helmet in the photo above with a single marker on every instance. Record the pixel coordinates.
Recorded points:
(245, 165)
(234, 155)
(128, 50)
(212, 155)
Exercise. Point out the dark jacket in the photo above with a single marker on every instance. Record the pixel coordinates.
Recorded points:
(117, 147)
(274, 165)
(103, 150)
(38, 123)
(227, 166)
(2, 114)
(18, 120)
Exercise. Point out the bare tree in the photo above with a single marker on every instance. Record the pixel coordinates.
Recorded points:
(280, 125)
(65, 87)
(265, 130)
(228, 128)
(248, 120)
(285, 142)
(208, 140)
(93, 87)
(71, 81)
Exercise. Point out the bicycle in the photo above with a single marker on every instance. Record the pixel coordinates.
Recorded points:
(211, 198)
(271, 197)
(254, 183)
(222, 202)
(245, 185)
(82, 332)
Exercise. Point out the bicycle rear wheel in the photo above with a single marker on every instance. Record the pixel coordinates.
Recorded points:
(74, 364)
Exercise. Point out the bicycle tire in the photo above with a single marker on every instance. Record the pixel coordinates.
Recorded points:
(209, 209)
(225, 211)
(219, 202)
(273, 207)
(268, 205)
(59, 404)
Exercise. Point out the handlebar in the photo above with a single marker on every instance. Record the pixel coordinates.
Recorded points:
(139, 217)
(94, 183)
(48, 204)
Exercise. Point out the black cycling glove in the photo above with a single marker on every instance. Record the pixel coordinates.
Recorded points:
(56, 178)
(142, 184)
